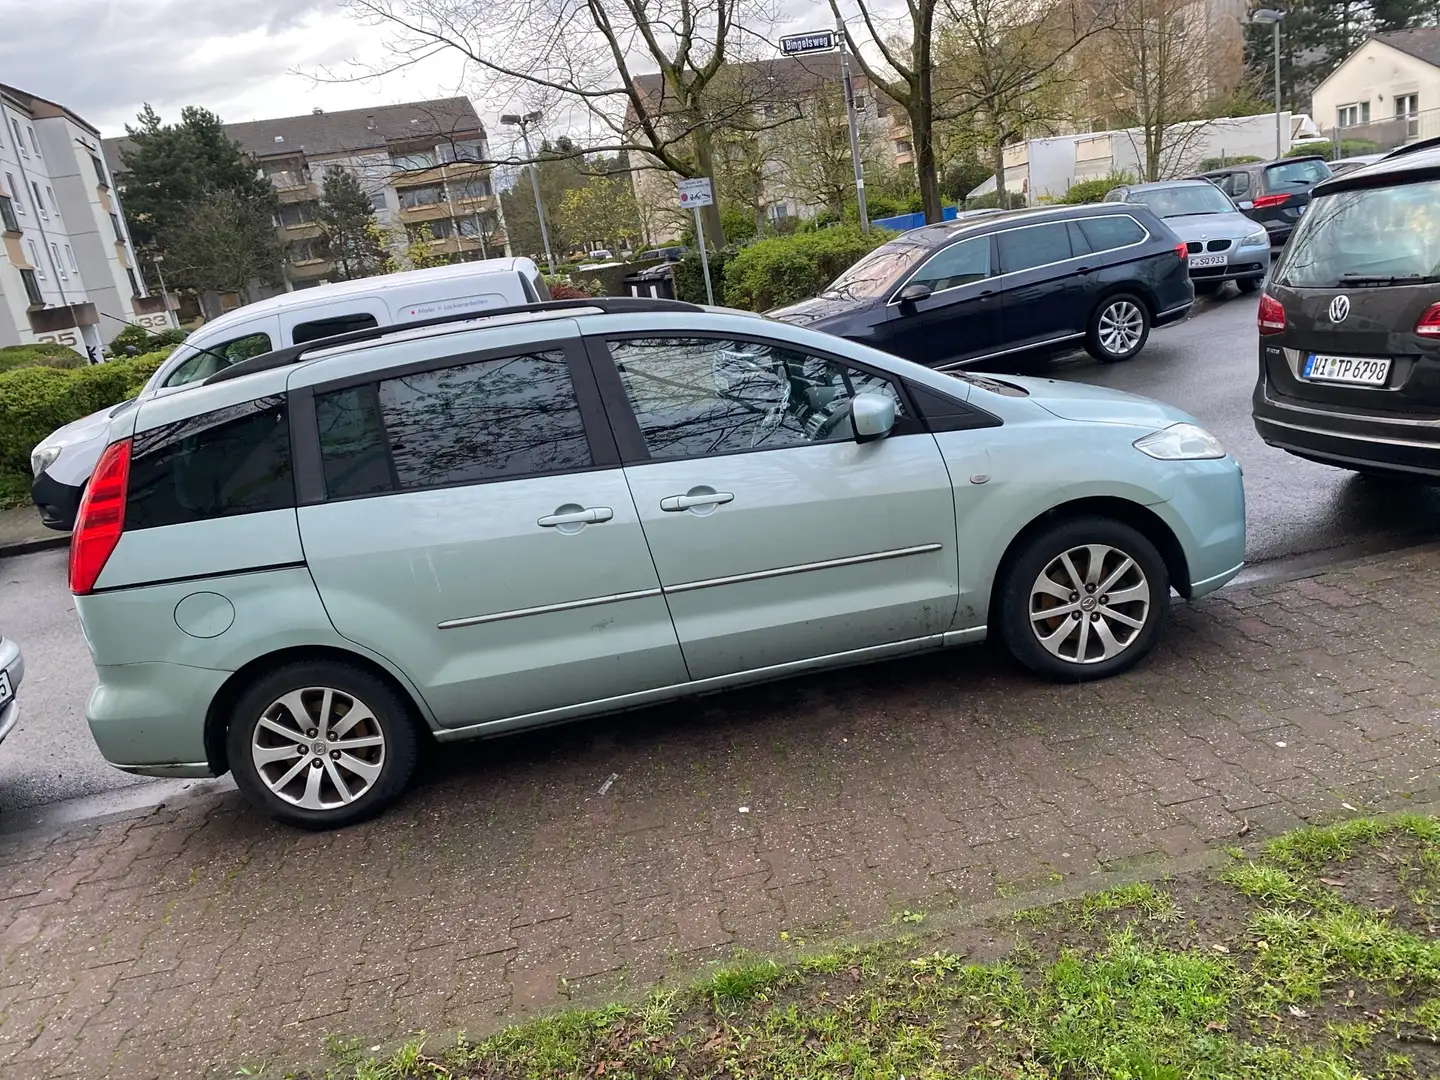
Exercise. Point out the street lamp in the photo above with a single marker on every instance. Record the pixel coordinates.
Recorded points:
(523, 123)
(1273, 17)
(156, 260)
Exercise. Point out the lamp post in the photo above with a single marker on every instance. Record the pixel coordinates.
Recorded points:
(1273, 17)
(523, 123)
(156, 260)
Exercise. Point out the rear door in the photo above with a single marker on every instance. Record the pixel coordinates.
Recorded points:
(1047, 294)
(467, 518)
(777, 537)
(960, 318)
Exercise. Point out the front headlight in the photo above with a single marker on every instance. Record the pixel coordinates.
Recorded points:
(1258, 238)
(1180, 442)
(42, 457)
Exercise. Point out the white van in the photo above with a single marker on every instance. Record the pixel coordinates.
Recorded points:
(63, 462)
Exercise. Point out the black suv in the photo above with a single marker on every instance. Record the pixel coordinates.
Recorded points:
(1350, 323)
(1274, 193)
(1022, 281)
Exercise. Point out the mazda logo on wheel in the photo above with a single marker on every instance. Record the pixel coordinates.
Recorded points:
(1339, 309)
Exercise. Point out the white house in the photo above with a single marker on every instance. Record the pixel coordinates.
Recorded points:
(1388, 89)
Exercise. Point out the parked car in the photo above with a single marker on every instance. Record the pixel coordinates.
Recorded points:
(1344, 165)
(965, 292)
(669, 254)
(1224, 244)
(1350, 324)
(600, 254)
(1274, 193)
(12, 672)
(328, 554)
(63, 462)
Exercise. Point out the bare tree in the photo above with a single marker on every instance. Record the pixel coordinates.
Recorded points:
(577, 59)
(812, 157)
(225, 243)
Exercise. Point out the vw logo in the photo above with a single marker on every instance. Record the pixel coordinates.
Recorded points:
(1339, 309)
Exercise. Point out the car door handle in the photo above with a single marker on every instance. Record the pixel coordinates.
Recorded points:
(675, 503)
(590, 516)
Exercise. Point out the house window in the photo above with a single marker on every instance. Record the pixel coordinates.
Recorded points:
(860, 103)
(119, 232)
(470, 189)
(430, 195)
(293, 214)
(481, 225)
(377, 200)
(39, 202)
(287, 178)
(19, 139)
(32, 287)
(50, 194)
(1350, 115)
(35, 259)
(419, 159)
(134, 285)
(1407, 104)
(70, 258)
(100, 171)
(7, 215)
(306, 251)
(902, 146)
(439, 230)
(462, 150)
(33, 144)
(15, 191)
(55, 260)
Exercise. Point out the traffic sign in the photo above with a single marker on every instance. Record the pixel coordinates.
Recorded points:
(695, 193)
(814, 41)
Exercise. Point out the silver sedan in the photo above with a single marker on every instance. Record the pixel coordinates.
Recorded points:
(1223, 244)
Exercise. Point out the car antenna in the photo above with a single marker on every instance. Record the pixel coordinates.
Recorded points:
(130, 349)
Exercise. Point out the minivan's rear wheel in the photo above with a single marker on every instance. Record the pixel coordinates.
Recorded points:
(322, 744)
(1118, 328)
(1084, 600)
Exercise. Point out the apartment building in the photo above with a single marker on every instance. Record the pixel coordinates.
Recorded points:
(421, 163)
(67, 273)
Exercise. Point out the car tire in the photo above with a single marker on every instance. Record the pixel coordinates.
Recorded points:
(1248, 285)
(279, 727)
(1119, 328)
(1128, 564)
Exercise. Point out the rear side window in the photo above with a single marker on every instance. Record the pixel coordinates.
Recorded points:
(491, 420)
(1110, 232)
(1295, 175)
(1038, 245)
(339, 324)
(231, 461)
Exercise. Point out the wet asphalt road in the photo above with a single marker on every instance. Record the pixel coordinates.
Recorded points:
(1205, 365)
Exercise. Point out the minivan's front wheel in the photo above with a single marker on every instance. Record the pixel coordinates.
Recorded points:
(320, 745)
(1118, 328)
(1085, 599)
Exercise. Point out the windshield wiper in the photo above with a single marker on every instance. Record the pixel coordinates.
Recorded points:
(1386, 279)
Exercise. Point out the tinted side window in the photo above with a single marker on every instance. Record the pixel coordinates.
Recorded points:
(1022, 249)
(219, 356)
(1112, 231)
(339, 324)
(353, 453)
(232, 461)
(696, 396)
(1078, 242)
(490, 420)
(959, 264)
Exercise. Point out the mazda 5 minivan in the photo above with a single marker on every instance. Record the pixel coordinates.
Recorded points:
(329, 553)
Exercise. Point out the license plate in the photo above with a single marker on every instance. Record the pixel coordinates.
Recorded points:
(1347, 369)
(1208, 260)
(6, 693)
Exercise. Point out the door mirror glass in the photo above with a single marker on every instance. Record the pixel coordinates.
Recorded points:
(914, 291)
(873, 415)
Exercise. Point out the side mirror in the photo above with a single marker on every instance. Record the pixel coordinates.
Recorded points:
(912, 292)
(872, 415)
(1245, 204)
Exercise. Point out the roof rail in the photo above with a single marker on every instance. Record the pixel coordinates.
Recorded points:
(1410, 148)
(610, 305)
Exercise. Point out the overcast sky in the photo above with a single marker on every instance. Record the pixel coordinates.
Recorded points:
(239, 58)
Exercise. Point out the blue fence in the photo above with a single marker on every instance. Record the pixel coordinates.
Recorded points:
(906, 222)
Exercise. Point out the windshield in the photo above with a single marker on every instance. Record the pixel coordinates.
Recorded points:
(1182, 200)
(1296, 174)
(1375, 236)
(875, 273)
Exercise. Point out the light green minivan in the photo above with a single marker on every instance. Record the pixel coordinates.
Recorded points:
(330, 553)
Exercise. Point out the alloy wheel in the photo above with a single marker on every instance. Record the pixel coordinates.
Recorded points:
(1121, 327)
(318, 748)
(1089, 604)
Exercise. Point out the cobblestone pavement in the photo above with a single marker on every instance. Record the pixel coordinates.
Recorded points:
(200, 935)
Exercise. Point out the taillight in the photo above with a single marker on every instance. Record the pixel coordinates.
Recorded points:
(1183, 250)
(101, 519)
(1429, 324)
(1262, 201)
(1272, 316)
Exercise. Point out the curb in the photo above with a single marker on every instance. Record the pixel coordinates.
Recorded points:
(44, 543)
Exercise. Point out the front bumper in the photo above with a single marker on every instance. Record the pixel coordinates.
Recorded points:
(58, 503)
(1348, 440)
(1239, 270)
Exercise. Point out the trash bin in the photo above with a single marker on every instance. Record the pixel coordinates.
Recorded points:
(654, 282)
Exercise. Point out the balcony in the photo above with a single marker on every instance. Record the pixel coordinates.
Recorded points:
(63, 317)
(1388, 133)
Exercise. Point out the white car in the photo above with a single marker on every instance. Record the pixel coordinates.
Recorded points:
(63, 462)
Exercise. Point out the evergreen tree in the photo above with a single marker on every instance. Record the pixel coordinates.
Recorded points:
(344, 214)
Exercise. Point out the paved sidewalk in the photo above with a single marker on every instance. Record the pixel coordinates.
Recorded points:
(201, 935)
(21, 530)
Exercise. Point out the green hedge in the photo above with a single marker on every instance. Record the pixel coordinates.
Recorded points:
(143, 340)
(1328, 151)
(1093, 191)
(785, 269)
(690, 275)
(46, 354)
(34, 401)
